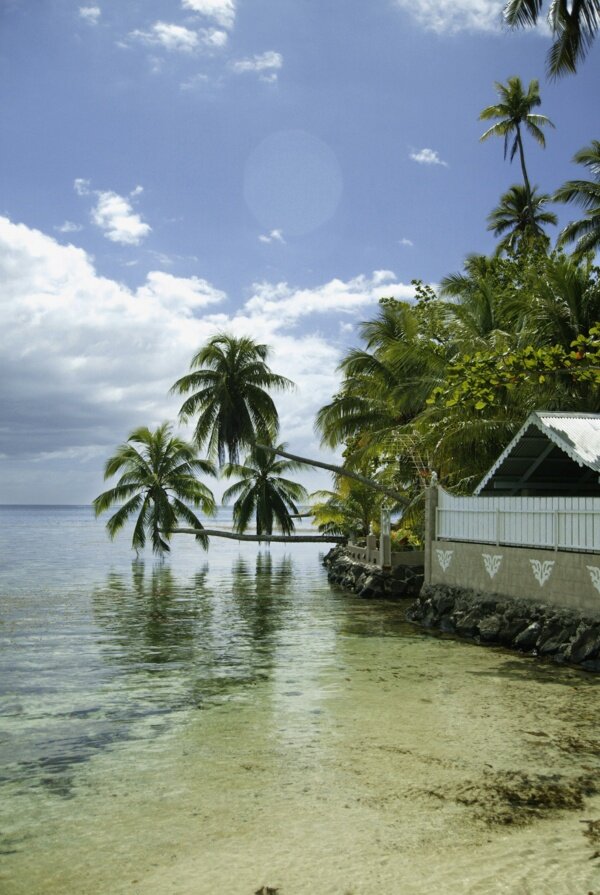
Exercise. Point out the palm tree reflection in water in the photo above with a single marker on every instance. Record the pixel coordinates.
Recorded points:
(182, 643)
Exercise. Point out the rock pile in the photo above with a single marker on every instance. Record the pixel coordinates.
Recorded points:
(370, 581)
(562, 635)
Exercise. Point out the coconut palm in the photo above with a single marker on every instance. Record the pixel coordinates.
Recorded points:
(514, 113)
(159, 473)
(574, 26)
(585, 193)
(518, 216)
(263, 492)
(229, 389)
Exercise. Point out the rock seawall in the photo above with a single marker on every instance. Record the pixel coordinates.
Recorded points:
(370, 581)
(562, 635)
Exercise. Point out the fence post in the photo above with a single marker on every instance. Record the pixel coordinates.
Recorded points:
(371, 546)
(556, 529)
(431, 503)
(385, 541)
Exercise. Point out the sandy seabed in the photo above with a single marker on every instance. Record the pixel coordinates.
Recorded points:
(425, 765)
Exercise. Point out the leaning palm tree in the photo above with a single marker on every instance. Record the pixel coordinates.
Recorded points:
(159, 473)
(513, 112)
(585, 193)
(263, 492)
(229, 389)
(574, 26)
(518, 216)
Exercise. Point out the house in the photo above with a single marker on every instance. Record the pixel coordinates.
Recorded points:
(532, 527)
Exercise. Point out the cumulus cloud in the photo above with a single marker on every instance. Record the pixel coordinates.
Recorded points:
(114, 214)
(273, 236)
(90, 14)
(428, 157)
(452, 16)
(405, 242)
(84, 359)
(220, 11)
(172, 37)
(266, 65)
(285, 305)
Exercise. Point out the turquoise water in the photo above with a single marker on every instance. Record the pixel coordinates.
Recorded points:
(227, 720)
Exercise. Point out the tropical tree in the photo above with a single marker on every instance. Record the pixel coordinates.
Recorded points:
(263, 492)
(229, 387)
(519, 216)
(159, 472)
(574, 26)
(585, 193)
(350, 509)
(514, 113)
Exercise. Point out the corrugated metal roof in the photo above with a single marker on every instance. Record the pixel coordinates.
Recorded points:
(577, 434)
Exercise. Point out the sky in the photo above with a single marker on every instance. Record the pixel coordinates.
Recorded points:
(170, 169)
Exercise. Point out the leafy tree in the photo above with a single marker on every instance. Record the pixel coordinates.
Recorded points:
(159, 472)
(514, 112)
(519, 215)
(585, 193)
(230, 386)
(263, 493)
(574, 26)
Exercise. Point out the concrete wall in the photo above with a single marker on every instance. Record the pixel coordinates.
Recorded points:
(371, 555)
(560, 578)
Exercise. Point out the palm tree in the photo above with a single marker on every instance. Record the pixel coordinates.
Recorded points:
(263, 492)
(229, 384)
(514, 112)
(585, 193)
(574, 26)
(521, 215)
(158, 473)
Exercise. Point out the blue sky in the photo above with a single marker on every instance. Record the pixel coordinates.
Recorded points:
(170, 168)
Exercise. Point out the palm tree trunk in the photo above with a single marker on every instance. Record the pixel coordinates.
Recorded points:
(284, 539)
(525, 177)
(339, 470)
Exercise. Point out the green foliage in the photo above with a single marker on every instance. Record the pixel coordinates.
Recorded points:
(573, 25)
(263, 493)
(585, 193)
(159, 472)
(230, 386)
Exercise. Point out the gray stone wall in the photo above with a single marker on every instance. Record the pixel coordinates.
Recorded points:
(369, 580)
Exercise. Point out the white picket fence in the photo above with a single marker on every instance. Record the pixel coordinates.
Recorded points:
(555, 523)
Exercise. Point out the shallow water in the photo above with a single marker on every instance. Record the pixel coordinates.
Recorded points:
(227, 721)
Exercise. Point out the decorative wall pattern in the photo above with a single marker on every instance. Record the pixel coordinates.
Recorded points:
(595, 576)
(444, 558)
(492, 563)
(541, 570)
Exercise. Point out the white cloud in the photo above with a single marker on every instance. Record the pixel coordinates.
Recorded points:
(266, 65)
(90, 14)
(273, 236)
(84, 359)
(428, 157)
(221, 11)
(172, 37)
(405, 242)
(184, 295)
(69, 227)
(214, 37)
(81, 186)
(284, 305)
(114, 214)
(452, 16)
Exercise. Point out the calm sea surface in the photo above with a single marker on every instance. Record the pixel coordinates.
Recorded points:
(224, 721)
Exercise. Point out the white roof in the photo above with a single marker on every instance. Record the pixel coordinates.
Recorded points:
(577, 434)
